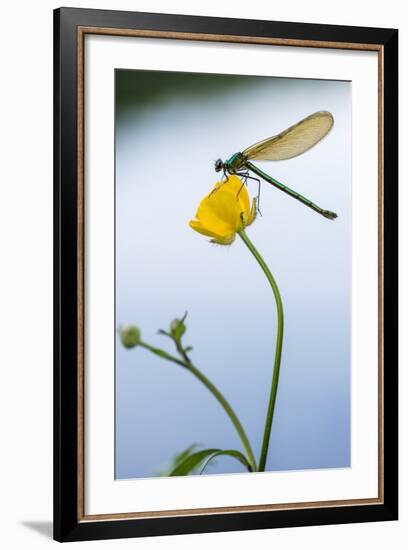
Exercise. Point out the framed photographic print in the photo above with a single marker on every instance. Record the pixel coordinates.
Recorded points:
(225, 274)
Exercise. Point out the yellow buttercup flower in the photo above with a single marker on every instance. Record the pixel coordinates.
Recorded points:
(224, 211)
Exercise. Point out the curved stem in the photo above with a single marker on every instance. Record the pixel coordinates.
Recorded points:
(229, 410)
(216, 393)
(278, 351)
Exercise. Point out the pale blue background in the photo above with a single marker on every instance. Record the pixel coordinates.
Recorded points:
(169, 132)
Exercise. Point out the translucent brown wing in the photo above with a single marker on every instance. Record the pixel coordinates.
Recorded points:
(294, 140)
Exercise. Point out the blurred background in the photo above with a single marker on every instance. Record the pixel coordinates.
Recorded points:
(170, 127)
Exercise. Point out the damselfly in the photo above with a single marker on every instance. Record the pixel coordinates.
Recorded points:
(290, 143)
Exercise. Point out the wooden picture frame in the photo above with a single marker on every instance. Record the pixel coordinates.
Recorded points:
(71, 26)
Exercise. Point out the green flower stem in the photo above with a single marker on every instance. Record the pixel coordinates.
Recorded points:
(163, 354)
(230, 411)
(185, 362)
(278, 351)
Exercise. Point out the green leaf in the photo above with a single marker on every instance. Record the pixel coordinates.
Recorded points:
(191, 462)
(177, 459)
(184, 454)
(236, 454)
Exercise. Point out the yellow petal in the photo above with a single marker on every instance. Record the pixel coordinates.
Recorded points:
(219, 212)
(234, 183)
(229, 239)
(218, 239)
(196, 225)
(238, 186)
(224, 211)
(252, 214)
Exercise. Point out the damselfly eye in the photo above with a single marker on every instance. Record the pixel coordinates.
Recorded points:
(218, 165)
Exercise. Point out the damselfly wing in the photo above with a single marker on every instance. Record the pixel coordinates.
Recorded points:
(293, 141)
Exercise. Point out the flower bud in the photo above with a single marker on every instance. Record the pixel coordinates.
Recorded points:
(130, 336)
(177, 328)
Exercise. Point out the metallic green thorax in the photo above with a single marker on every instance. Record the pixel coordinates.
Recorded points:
(234, 163)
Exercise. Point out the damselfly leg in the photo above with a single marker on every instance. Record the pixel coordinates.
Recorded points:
(244, 175)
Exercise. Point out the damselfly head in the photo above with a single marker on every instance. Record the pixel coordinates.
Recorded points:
(218, 165)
